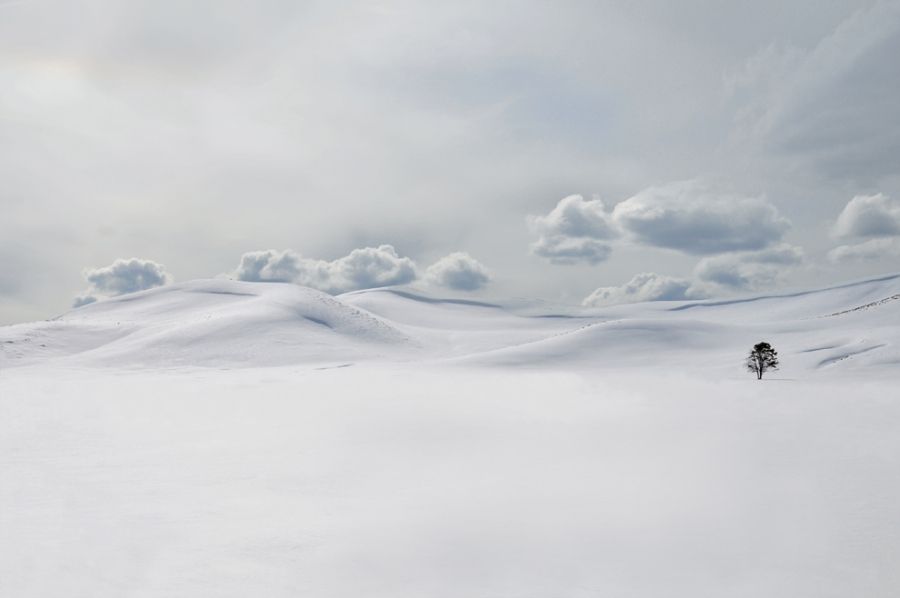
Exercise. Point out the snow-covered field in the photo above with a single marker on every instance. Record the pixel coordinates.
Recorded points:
(217, 438)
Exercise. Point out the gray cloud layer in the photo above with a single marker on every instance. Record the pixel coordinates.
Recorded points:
(831, 104)
(343, 124)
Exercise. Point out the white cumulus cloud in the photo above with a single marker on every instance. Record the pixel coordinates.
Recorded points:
(871, 250)
(647, 286)
(690, 217)
(576, 230)
(717, 275)
(459, 271)
(363, 268)
(121, 277)
(873, 221)
(749, 270)
(867, 216)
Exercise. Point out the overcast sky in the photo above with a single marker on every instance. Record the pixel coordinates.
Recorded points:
(575, 151)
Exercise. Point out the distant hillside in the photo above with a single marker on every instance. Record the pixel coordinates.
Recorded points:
(228, 324)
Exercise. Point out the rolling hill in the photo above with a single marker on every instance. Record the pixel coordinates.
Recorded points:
(228, 439)
(228, 324)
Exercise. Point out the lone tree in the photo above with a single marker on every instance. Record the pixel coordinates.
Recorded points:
(762, 359)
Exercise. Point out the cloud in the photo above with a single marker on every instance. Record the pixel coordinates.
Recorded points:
(721, 274)
(869, 216)
(363, 268)
(871, 250)
(689, 217)
(82, 300)
(647, 286)
(567, 251)
(574, 231)
(458, 271)
(121, 277)
(832, 105)
(396, 103)
(274, 266)
(748, 270)
(875, 218)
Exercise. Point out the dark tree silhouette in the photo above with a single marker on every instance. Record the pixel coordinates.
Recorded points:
(762, 358)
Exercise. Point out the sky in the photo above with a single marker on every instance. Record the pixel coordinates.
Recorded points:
(584, 152)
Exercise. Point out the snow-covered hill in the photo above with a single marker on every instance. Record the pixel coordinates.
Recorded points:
(226, 324)
(207, 323)
(217, 438)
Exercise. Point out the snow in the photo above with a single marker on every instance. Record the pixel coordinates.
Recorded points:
(214, 323)
(218, 438)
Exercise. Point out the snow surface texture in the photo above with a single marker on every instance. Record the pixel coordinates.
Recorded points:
(228, 324)
(228, 439)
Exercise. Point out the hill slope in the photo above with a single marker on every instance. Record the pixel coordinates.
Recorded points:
(610, 452)
(227, 324)
(207, 323)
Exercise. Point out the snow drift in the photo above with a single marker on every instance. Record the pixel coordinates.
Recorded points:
(225, 324)
(475, 448)
(208, 323)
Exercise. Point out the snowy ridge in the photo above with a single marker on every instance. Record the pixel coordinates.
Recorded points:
(213, 323)
(228, 324)
(414, 446)
(867, 305)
